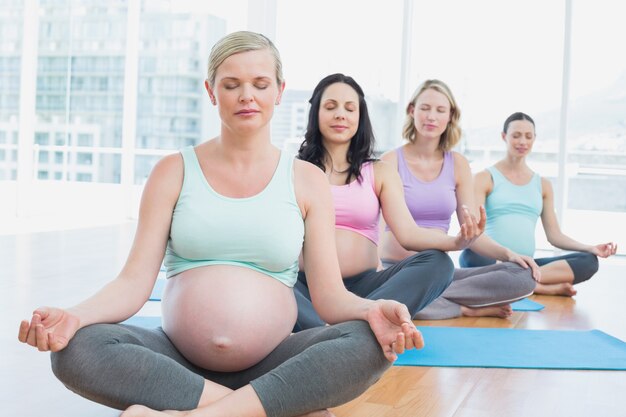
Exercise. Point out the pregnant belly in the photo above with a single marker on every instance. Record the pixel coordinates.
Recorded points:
(227, 318)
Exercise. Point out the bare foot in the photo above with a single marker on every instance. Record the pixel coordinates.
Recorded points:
(318, 413)
(502, 311)
(142, 411)
(564, 288)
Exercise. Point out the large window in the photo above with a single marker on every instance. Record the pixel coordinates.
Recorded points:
(10, 52)
(80, 88)
(360, 39)
(596, 129)
(496, 63)
(119, 84)
(172, 105)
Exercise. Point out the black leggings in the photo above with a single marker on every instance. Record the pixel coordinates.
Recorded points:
(415, 281)
(583, 264)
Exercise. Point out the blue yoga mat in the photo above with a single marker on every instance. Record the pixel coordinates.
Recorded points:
(517, 348)
(527, 305)
(149, 322)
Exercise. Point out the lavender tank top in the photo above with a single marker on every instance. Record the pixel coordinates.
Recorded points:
(431, 203)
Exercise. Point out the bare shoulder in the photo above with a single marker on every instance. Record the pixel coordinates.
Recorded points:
(462, 169)
(386, 176)
(391, 156)
(459, 160)
(308, 173)
(483, 175)
(383, 168)
(310, 183)
(546, 187)
(483, 181)
(169, 164)
(163, 188)
(167, 173)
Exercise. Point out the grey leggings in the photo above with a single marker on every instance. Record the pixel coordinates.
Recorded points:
(119, 365)
(583, 264)
(415, 281)
(491, 285)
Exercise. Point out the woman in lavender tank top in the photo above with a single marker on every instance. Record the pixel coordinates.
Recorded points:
(437, 182)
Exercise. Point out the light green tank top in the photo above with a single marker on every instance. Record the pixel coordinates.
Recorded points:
(263, 232)
(512, 212)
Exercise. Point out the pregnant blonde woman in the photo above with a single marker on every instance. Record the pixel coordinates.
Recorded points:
(230, 216)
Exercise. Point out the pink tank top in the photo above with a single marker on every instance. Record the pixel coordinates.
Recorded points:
(356, 205)
(431, 203)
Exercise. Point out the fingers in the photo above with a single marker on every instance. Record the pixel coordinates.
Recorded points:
(402, 313)
(536, 271)
(418, 339)
(23, 333)
(34, 333)
(399, 344)
(475, 227)
(42, 338)
(482, 221)
(469, 222)
(31, 337)
(520, 261)
(408, 340)
(414, 339)
(605, 250)
(611, 249)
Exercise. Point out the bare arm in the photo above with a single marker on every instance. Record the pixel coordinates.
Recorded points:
(465, 197)
(407, 232)
(126, 294)
(389, 320)
(559, 239)
(468, 195)
(52, 328)
(330, 299)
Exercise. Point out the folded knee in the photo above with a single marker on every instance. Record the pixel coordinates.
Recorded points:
(71, 364)
(592, 262)
(366, 344)
(440, 259)
(520, 278)
(584, 267)
(66, 363)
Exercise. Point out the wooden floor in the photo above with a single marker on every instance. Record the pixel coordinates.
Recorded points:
(61, 268)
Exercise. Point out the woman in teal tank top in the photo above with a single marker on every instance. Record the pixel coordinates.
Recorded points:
(515, 197)
(230, 216)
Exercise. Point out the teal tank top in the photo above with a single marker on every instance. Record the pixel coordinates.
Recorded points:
(512, 212)
(263, 232)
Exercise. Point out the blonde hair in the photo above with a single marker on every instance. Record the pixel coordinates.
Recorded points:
(452, 135)
(238, 42)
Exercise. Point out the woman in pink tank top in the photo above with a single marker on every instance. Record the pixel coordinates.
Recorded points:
(340, 141)
(437, 182)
